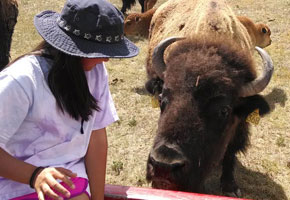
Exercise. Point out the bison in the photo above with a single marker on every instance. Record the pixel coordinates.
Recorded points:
(145, 5)
(138, 23)
(205, 78)
(8, 20)
(260, 33)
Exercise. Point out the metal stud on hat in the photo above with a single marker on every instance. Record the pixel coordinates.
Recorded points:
(86, 28)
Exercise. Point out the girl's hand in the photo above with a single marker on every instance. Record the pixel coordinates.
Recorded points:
(46, 180)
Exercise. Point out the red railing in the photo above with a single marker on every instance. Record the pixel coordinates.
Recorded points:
(114, 192)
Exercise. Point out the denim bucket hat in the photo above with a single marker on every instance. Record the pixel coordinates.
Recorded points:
(86, 28)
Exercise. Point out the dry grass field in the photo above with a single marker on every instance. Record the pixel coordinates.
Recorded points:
(262, 173)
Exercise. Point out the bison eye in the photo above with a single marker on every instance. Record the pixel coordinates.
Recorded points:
(163, 103)
(224, 112)
(264, 30)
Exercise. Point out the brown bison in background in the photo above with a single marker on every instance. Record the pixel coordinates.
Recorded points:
(260, 33)
(8, 19)
(138, 23)
(207, 86)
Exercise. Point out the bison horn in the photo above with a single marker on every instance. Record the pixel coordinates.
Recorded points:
(158, 53)
(260, 83)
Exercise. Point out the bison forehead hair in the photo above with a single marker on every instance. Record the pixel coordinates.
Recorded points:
(216, 62)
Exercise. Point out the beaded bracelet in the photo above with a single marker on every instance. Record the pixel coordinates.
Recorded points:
(33, 176)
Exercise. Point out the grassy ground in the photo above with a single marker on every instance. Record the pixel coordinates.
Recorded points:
(263, 173)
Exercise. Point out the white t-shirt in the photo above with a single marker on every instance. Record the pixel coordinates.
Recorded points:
(34, 130)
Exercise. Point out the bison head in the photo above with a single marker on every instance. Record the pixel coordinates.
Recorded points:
(208, 89)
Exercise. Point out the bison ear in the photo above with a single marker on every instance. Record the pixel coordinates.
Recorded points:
(251, 103)
(137, 18)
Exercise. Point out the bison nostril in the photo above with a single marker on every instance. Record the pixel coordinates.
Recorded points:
(165, 166)
(177, 166)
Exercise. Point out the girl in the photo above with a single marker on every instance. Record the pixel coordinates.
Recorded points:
(55, 105)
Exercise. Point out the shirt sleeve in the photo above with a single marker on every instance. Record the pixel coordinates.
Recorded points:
(107, 114)
(14, 105)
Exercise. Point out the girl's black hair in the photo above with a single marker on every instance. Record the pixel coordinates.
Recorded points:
(68, 83)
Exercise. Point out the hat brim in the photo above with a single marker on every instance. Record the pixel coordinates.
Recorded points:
(47, 27)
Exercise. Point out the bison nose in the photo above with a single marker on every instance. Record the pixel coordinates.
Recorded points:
(164, 166)
(165, 160)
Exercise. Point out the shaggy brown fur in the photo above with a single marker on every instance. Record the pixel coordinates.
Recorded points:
(138, 23)
(8, 19)
(260, 33)
(217, 55)
(5, 8)
(200, 113)
(201, 17)
(203, 118)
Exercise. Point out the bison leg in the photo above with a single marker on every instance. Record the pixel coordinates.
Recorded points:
(238, 144)
(124, 7)
(228, 183)
(143, 4)
(127, 4)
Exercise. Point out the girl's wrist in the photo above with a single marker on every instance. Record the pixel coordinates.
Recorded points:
(34, 175)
